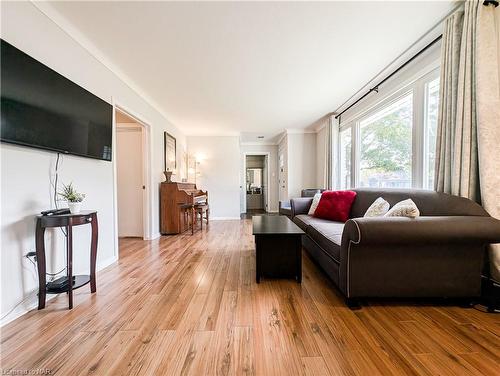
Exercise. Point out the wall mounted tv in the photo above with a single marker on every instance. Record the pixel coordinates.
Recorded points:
(42, 109)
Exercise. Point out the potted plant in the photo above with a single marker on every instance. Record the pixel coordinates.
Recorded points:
(73, 198)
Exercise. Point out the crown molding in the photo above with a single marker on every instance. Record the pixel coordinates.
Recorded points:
(63, 24)
(258, 144)
(299, 131)
(220, 134)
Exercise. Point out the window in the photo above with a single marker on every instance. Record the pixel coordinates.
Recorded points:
(385, 146)
(345, 158)
(391, 144)
(431, 115)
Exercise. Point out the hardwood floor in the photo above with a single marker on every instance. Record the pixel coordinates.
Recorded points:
(190, 305)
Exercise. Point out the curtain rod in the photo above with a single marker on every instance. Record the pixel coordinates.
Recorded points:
(375, 88)
(495, 3)
(492, 2)
(459, 6)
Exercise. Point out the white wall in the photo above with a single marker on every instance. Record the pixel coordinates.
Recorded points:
(497, 19)
(26, 173)
(301, 157)
(130, 179)
(219, 173)
(273, 170)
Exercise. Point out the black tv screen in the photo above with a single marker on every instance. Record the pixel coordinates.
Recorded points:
(42, 109)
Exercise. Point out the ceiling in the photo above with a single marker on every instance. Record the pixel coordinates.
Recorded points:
(249, 67)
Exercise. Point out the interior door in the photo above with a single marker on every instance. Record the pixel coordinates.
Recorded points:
(129, 171)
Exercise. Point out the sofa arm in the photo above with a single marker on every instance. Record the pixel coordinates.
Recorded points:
(300, 205)
(284, 204)
(422, 230)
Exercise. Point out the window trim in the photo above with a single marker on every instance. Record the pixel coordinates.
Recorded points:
(417, 85)
(425, 125)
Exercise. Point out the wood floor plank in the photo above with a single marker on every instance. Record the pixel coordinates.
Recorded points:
(189, 305)
(315, 366)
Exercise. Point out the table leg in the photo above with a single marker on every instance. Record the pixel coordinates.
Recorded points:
(40, 260)
(69, 249)
(93, 252)
(193, 218)
(257, 259)
(298, 251)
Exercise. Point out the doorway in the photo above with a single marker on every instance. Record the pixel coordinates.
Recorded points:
(130, 175)
(256, 183)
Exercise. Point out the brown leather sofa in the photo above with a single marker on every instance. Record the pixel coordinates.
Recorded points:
(439, 254)
(285, 206)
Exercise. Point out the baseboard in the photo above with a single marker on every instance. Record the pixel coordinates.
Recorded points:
(156, 235)
(224, 218)
(105, 263)
(31, 301)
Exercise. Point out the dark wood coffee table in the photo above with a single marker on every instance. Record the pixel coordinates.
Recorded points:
(278, 244)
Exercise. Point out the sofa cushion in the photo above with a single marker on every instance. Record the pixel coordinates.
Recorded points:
(314, 204)
(378, 208)
(406, 208)
(335, 205)
(328, 236)
(304, 220)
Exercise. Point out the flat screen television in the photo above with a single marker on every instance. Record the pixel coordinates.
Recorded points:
(42, 109)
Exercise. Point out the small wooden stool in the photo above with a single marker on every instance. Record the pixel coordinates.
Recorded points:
(202, 209)
(187, 210)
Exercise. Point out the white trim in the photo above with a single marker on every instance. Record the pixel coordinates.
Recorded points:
(216, 134)
(128, 129)
(415, 84)
(258, 144)
(267, 155)
(156, 235)
(299, 131)
(46, 9)
(105, 263)
(31, 299)
(147, 175)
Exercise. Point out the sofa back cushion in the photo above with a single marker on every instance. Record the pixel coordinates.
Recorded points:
(335, 205)
(430, 203)
(310, 192)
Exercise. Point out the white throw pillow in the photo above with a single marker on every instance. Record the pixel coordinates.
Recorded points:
(314, 204)
(406, 208)
(378, 208)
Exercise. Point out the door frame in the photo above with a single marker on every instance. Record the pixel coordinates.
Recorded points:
(147, 197)
(267, 155)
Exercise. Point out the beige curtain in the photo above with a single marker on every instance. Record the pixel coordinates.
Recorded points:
(457, 170)
(488, 119)
(468, 134)
(333, 136)
(324, 143)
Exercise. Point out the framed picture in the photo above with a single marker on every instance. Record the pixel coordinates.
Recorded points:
(170, 149)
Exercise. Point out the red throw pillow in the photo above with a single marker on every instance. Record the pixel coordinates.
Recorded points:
(335, 205)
